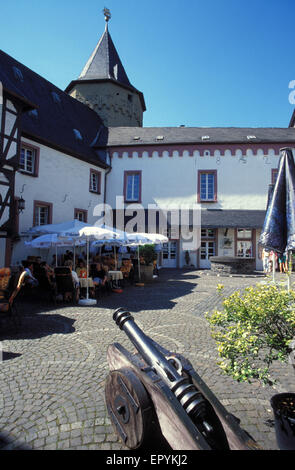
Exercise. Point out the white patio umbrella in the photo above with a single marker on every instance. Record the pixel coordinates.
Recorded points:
(137, 239)
(50, 240)
(94, 233)
(71, 227)
(122, 239)
(152, 238)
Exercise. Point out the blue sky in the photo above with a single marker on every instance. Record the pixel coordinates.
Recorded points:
(198, 62)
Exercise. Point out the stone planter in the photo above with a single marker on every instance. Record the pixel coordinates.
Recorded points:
(146, 273)
(283, 405)
(232, 265)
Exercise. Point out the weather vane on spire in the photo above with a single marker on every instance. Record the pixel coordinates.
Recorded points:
(107, 14)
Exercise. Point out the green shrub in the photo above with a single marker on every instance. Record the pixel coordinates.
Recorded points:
(254, 329)
(148, 253)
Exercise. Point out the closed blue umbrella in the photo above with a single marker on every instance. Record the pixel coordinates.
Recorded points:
(278, 233)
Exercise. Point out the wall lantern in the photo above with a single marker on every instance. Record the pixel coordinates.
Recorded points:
(21, 204)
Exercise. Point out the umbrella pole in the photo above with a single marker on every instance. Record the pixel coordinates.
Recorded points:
(56, 255)
(87, 268)
(87, 301)
(139, 274)
(288, 272)
(273, 266)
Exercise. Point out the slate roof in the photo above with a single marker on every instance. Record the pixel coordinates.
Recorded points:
(105, 62)
(214, 218)
(129, 136)
(57, 114)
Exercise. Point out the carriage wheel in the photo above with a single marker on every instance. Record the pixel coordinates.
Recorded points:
(130, 408)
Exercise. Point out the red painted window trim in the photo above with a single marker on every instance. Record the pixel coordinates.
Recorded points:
(200, 172)
(274, 173)
(85, 212)
(43, 203)
(129, 173)
(37, 159)
(98, 173)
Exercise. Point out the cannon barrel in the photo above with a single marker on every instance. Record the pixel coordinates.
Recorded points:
(168, 369)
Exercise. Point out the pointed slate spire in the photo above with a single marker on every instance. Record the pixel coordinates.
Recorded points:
(104, 62)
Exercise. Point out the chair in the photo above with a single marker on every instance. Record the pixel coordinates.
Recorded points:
(45, 285)
(64, 282)
(100, 289)
(5, 276)
(7, 305)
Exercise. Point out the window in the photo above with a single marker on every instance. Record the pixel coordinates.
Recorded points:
(95, 181)
(81, 215)
(29, 160)
(132, 186)
(208, 233)
(207, 186)
(42, 213)
(207, 250)
(244, 243)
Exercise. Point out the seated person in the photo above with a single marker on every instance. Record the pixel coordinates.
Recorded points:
(126, 267)
(54, 261)
(48, 271)
(30, 280)
(81, 269)
(76, 281)
(98, 274)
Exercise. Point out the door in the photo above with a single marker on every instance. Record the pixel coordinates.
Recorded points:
(170, 255)
(207, 249)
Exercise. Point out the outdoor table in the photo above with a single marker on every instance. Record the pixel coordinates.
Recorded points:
(84, 281)
(115, 277)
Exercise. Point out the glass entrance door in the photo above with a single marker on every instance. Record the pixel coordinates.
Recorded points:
(170, 255)
(207, 249)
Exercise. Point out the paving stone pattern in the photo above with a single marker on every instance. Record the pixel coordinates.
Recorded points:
(53, 372)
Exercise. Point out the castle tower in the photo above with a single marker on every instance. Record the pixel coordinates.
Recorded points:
(104, 86)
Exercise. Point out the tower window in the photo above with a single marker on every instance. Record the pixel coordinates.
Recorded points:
(130, 98)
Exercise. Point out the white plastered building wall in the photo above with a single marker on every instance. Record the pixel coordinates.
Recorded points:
(170, 178)
(62, 181)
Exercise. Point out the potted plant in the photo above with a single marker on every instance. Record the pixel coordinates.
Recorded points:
(253, 330)
(187, 258)
(148, 253)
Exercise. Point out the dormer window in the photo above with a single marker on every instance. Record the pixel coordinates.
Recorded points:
(205, 137)
(77, 134)
(33, 113)
(18, 74)
(55, 97)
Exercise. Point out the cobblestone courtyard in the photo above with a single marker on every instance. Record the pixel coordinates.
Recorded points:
(53, 372)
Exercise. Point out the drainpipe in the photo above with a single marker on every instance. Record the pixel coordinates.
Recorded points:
(105, 178)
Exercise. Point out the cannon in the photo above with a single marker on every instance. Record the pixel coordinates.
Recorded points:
(156, 400)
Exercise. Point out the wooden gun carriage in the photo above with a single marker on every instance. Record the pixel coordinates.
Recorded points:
(156, 400)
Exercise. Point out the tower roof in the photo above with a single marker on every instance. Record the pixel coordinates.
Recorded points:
(105, 63)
